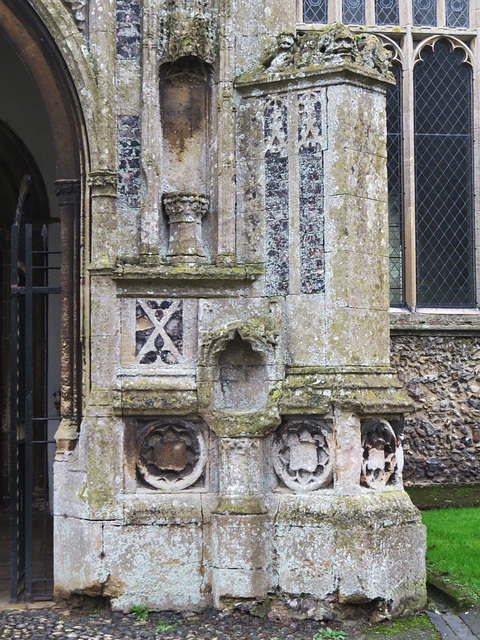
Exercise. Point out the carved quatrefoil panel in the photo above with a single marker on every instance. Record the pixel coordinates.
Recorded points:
(301, 455)
(171, 456)
(382, 461)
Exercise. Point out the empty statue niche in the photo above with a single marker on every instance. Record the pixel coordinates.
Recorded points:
(185, 93)
(185, 88)
(242, 378)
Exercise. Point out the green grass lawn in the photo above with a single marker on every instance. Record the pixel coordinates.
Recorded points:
(453, 547)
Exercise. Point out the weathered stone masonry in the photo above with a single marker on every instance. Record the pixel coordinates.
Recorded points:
(242, 432)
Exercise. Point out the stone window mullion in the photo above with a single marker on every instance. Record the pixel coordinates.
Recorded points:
(369, 12)
(476, 164)
(441, 14)
(410, 295)
(405, 12)
(334, 11)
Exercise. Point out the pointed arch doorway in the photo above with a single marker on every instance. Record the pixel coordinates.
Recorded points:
(41, 164)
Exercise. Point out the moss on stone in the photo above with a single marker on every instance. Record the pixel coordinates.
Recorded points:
(372, 511)
(403, 628)
(436, 496)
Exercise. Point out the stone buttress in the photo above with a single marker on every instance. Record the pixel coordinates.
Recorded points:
(242, 440)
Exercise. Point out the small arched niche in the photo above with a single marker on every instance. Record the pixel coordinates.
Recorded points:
(185, 94)
(242, 381)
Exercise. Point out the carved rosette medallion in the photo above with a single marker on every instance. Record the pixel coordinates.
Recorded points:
(185, 212)
(382, 461)
(171, 456)
(301, 455)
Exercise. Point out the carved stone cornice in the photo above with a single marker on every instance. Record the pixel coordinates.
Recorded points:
(103, 183)
(79, 11)
(333, 47)
(184, 32)
(67, 191)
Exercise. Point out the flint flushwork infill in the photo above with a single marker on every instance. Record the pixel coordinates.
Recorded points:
(277, 269)
(128, 29)
(128, 160)
(312, 265)
(159, 331)
(442, 436)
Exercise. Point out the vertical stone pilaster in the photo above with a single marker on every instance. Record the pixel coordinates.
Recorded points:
(68, 194)
(241, 475)
(356, 244)
(225, 123)
(241, 530)
(103, 46)
(103, 189)
(348, 455)
(151, 148)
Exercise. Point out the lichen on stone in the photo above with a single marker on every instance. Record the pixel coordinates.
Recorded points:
(308, 53)
(79, 10)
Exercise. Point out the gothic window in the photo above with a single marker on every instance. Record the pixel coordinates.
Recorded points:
(430, 143)
(457, 13)
(315, 11)
(386, 12)
(395, 188)
(424, 13)
(443, 178)
(354, 11)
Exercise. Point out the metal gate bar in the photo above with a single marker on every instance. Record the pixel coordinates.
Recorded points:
(29, 418)
(17, 558)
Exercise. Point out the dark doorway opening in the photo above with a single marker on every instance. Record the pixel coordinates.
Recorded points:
(42, 134)
(26, 470)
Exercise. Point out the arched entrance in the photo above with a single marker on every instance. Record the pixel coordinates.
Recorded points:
(41, 136)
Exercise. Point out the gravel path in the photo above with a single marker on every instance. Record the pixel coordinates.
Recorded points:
(42, 623)
(209, 625)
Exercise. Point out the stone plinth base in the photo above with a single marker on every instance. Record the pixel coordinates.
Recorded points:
(311, 555)
(348, 550)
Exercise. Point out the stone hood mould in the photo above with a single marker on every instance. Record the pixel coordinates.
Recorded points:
(335, 46)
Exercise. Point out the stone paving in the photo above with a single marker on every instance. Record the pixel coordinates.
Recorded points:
(465, 626)
(53, 622)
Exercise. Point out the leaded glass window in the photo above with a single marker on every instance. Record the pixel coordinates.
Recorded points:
(424, 13)
(354, 11)
(315, 11)
(386, 11)
(395, 189)
(443, 178)
(457, 13)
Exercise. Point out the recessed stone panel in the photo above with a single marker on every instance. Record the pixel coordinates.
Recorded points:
(159, 331)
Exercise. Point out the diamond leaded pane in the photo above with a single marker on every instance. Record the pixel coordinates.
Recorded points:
(425, 13)
(394, 169)
(354, 11)
(386, 12)
(315, 11)
(443, 175)
(457, 13)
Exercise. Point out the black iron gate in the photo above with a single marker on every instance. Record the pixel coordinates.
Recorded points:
(33, 270)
